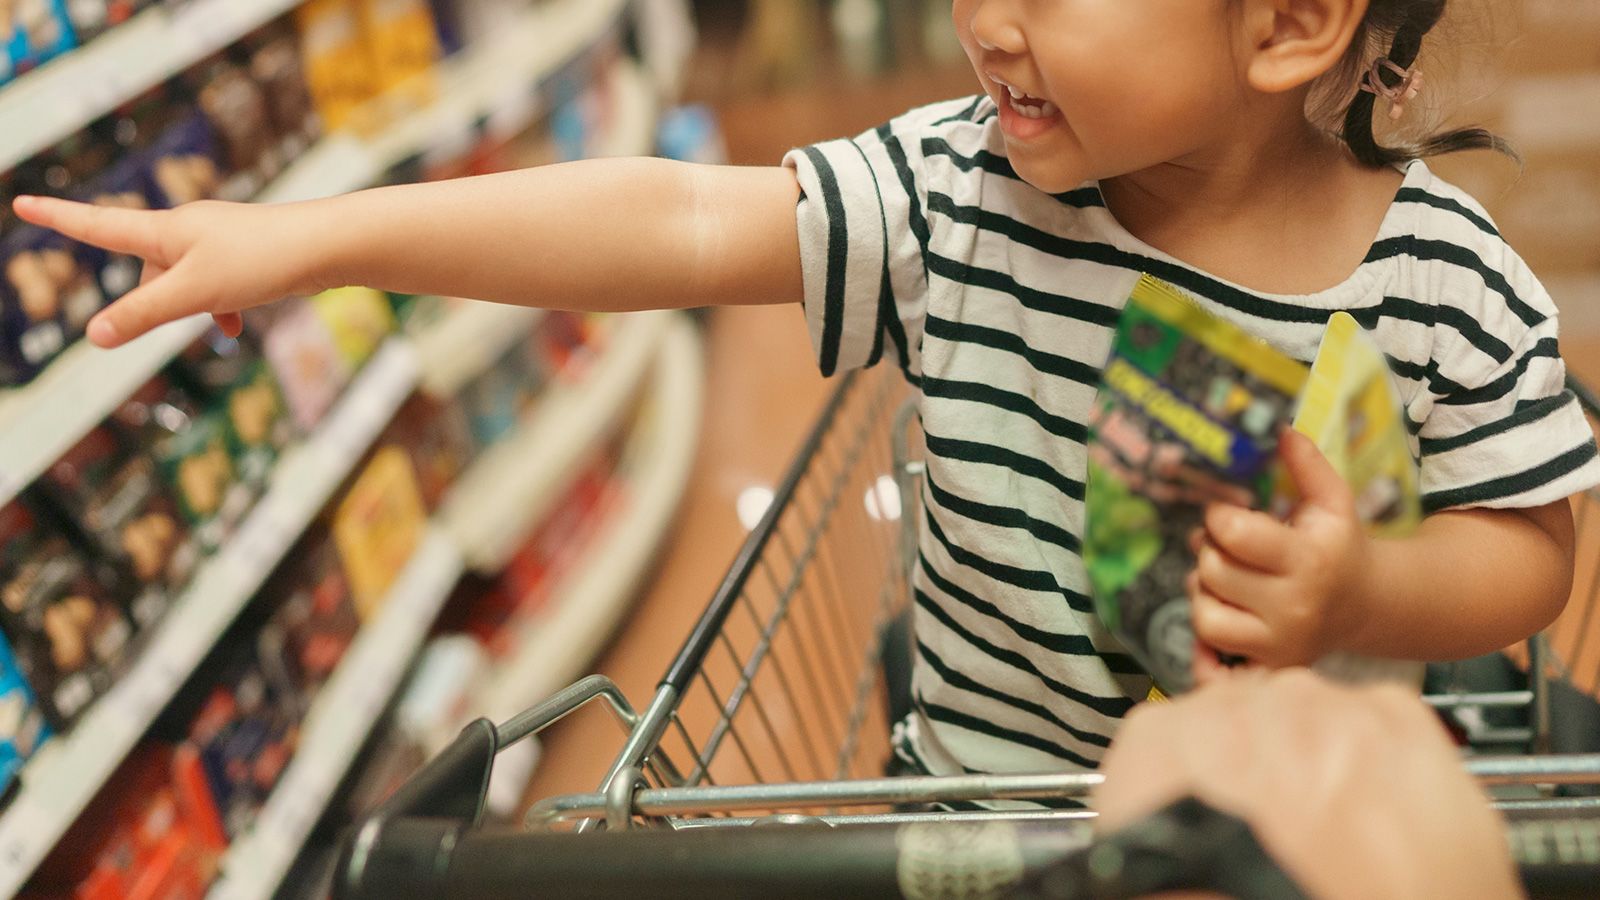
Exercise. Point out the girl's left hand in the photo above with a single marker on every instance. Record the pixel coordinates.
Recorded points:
(1281, 593)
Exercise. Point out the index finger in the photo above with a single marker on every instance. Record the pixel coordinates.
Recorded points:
(113, 228)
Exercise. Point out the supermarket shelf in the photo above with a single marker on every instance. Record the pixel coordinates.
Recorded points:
(344, 713)
(560, 644)
(464, 344)
(64, 95)
(517, 481)
(477, 82)
(69, 771)
(40, 422)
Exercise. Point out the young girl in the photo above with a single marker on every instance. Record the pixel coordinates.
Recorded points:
(986, 247)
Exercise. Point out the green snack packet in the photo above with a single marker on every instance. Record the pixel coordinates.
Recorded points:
(1189, 412)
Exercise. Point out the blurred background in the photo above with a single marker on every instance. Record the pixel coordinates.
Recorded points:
(249, 586)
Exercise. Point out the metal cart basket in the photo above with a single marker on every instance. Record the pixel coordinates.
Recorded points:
(765, 746)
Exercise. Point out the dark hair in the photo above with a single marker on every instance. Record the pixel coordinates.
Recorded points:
(1403, 24)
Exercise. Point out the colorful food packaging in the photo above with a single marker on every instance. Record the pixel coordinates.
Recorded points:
(33, 32)
(112, 492)
(23, 728)
(69, 634)
(377, 526)
(1189, 412)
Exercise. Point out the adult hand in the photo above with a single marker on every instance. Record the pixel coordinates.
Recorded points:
(1355, 792)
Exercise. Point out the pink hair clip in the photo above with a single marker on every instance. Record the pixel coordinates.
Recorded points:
(1399, 95)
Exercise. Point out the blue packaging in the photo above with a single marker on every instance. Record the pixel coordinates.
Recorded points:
(22, 724)
(38, 30)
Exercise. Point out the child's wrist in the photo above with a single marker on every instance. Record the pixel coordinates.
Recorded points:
(1363, 598)
(321, 245)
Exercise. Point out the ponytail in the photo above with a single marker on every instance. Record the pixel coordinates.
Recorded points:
(1411, 22)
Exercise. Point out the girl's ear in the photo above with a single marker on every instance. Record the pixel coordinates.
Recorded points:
(1293, 42)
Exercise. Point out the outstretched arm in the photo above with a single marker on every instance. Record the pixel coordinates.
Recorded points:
(602, 235)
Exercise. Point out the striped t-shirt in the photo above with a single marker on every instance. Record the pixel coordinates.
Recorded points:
(920, 243)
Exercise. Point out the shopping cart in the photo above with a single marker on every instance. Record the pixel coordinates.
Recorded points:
(758, 767)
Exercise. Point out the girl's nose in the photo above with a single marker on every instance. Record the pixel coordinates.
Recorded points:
(995, 27)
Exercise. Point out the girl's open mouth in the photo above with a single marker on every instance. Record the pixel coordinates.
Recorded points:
(1027, 106)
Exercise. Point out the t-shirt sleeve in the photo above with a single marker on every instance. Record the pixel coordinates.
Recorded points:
(1504, 432)
(864, 240)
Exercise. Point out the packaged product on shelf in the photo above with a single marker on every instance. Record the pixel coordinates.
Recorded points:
(319, 616)
(275, 65)
(155, 833)
(307, 363)
(231, 377)
(403, 46)
(211, 493)
(111, 489)
(70, 635)
(125, 184)
(377, 526)
(493, 403)
(358, 318)
(22, 723)
(184, 162)
(338, 67)
(33, 32)
(237, 109)
(49, 294)
(245, 736)
(564, 342)
(438, 438)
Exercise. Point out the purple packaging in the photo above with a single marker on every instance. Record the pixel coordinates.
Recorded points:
(47, 296)
(183, 163)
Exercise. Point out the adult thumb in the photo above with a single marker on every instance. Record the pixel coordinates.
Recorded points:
(1318, 483)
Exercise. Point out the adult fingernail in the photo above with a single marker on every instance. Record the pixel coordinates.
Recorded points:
(102, 332)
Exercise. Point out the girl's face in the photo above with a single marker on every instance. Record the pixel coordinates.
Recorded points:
(1108, 87)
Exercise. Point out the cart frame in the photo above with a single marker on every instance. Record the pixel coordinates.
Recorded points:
(784, 608)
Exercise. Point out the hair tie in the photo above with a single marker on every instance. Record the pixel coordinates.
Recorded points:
(1398, 95)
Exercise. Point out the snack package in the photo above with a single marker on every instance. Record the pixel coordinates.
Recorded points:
(33, 32)
(357, 318)
(211, 494)
(338, 65)
(309, 369)
(48, 296)
(318, 616)
(231, 378)
(22, 724)
(403, 45)
(1189, 412)
(69, 634)
(276, 66)
(236, 108)
(438, 438)
(244, 736)
(112, 491)
(183, 162)
(377, 527)
(126, 185)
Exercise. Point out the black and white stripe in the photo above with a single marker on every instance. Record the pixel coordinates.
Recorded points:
(920, 242)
